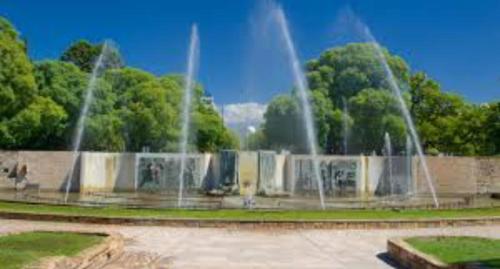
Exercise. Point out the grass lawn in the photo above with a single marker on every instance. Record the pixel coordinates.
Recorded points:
(453, 250)
(238, 214)
(18, 250)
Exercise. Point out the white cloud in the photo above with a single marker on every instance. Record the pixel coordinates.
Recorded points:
(244, 113)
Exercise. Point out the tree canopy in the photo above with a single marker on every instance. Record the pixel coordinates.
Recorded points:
(84, 55)
(349, 90)
(40, 103)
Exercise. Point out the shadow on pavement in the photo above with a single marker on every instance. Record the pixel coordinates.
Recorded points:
(385, 257)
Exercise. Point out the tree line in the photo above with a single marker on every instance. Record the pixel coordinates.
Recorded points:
(349, 91)
(40, 103)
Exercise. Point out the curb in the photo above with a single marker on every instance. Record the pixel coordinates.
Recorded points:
(259, 224)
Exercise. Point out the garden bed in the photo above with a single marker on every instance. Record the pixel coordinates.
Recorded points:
(42, 249)
(446, 252)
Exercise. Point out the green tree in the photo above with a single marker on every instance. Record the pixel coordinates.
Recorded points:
(376, 112)
(283, 124)
(17, 83)
(66, 85)
(492, 127)
(149, 120)
(345, 71)
(84, 55)
(36, 126)
(104, 132)
(209, 132)
(445, 121)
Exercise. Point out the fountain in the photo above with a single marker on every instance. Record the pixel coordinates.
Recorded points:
(388, 158)
(186, 104)
(302, 87)
(345, 125)
(409, 154)
(80, 127)
(393, 84)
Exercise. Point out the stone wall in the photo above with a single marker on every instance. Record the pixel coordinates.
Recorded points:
(8, 167)
(340, 175)
(272, 167)
(267, 172)
(162, 171)
(248, 172)
(107, 171)
(488, 175)
(465, 175)
(47, 169)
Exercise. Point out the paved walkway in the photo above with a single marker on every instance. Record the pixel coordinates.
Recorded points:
(165, 247)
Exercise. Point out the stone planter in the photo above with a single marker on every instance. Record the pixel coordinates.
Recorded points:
(93, 257)
(409, 257)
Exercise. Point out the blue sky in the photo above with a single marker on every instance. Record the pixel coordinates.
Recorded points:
(456, 42)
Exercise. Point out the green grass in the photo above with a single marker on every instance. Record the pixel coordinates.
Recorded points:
(458, 250)
(237, 214)
(19, 250)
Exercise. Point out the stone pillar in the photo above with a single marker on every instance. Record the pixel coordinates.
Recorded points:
(228, 171)
(107, 172)
(248, 172)
(271, 173)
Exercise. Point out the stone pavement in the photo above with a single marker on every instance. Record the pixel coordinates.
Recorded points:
(166, 247)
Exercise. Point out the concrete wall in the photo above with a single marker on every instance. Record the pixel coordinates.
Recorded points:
(450, 175)
(488, 175)
(374, 166)
(248, 168)
(49, 169)
(107, 171)
(272, 167)
(340, 174)
(8, 167)
(116, 172)
(168, 170)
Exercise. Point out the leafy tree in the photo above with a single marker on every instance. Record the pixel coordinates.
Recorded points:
(84, 55)
(492, 128)
(103, 132)
(210, 134)
(446, 123)
(130, 109)
(35, 126)
(328, 123)
(17, 83)
(148, 117)
(376, 112)
(283, 124)
(257, 140)
(64, 83)
(345, 71)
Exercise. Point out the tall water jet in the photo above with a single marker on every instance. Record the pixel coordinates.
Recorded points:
(80, 127)
(301, 83)
(388, 158)
(345, 126)
(393, 84)
(409, 154)
(192, 60)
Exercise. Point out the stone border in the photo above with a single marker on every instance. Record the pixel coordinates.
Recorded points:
(410, 257)
(259, 224)
(92, 257)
